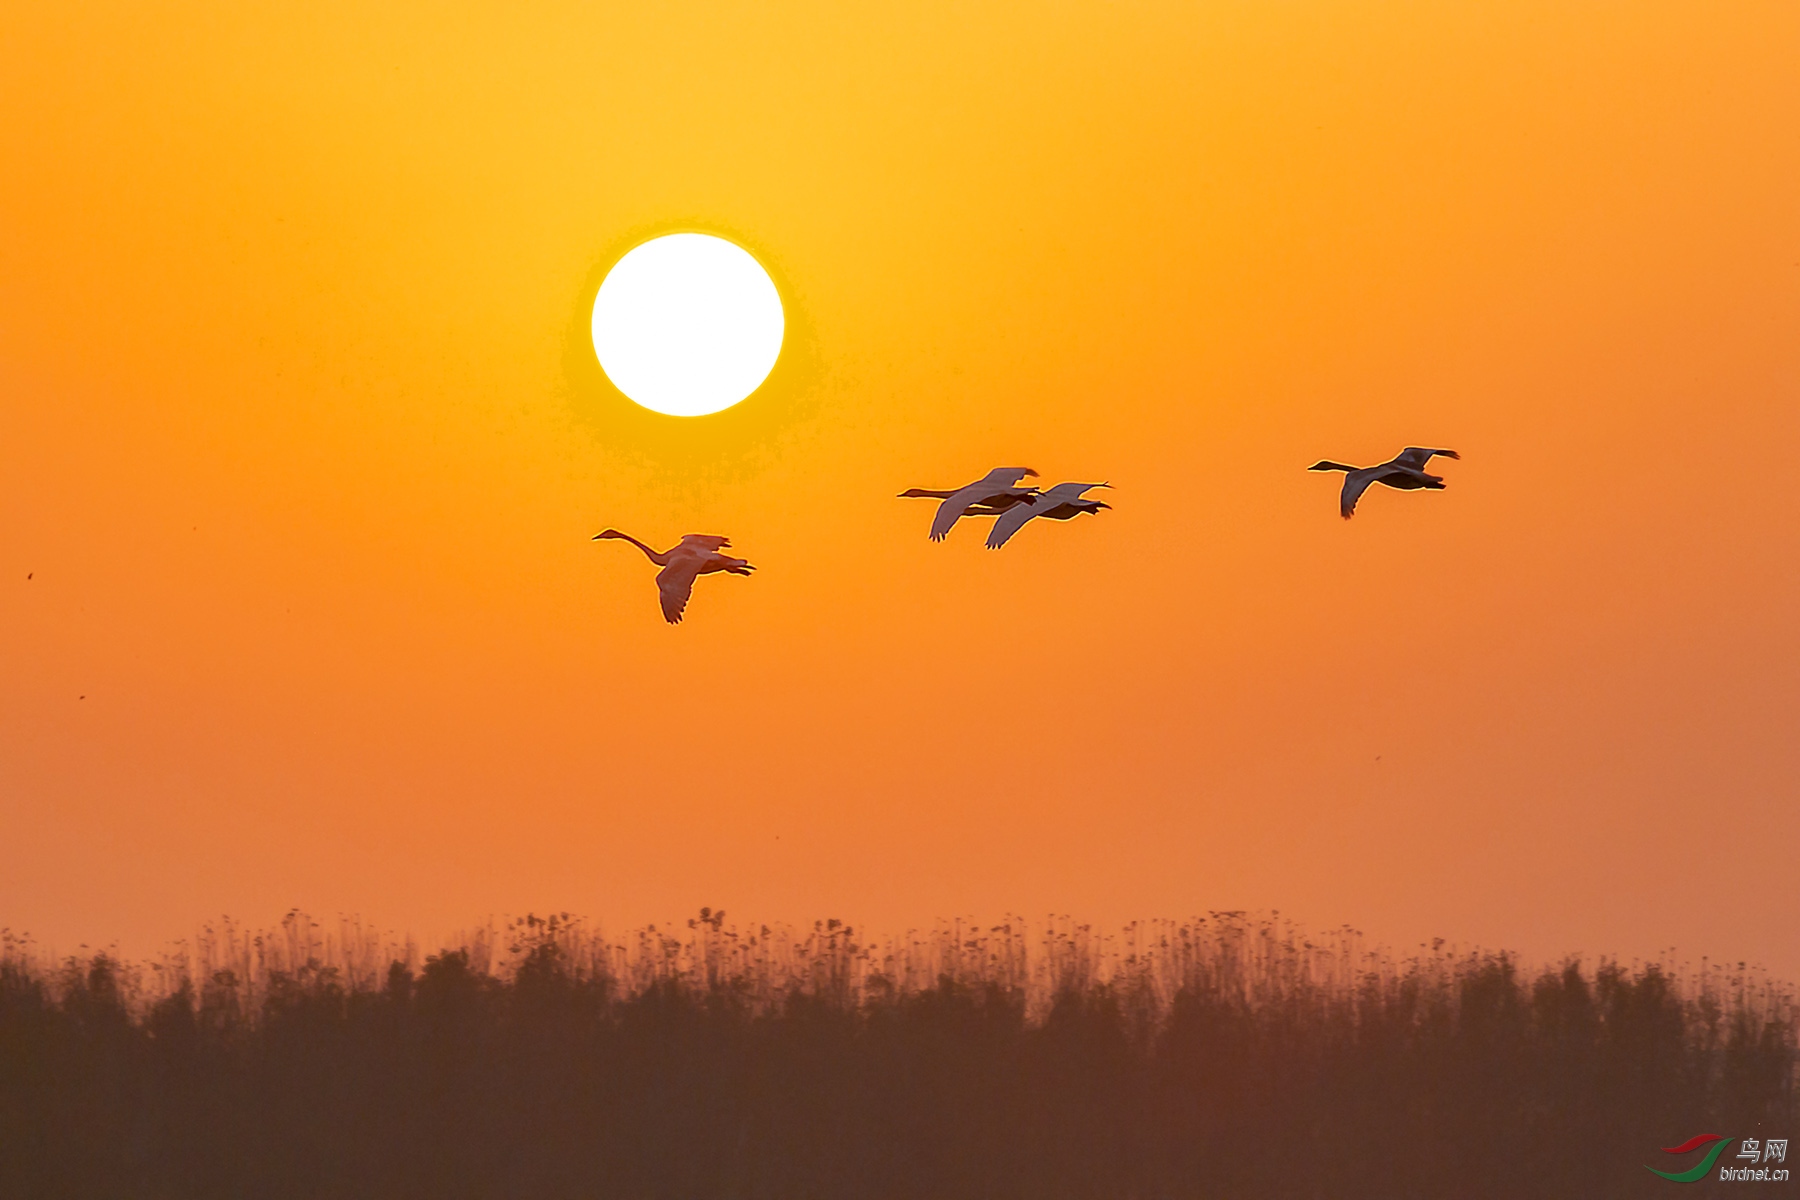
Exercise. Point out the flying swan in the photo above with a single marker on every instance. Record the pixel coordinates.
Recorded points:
(697, 555)
(1405, 471)
(993, 493)
(1060, 503)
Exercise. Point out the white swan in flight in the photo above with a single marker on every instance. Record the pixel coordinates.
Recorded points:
(1405, 471)
(697, 555)
(1060, 503)
(994, 492)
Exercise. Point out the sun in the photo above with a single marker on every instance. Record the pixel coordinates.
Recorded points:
(687, 324)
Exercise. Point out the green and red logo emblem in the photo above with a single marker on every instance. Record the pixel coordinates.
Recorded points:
(1698, 1170)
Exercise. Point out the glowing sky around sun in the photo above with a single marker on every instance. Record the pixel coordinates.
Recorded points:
(303, 435)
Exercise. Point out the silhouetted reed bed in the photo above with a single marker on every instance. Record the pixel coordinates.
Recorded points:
(1225, 1056)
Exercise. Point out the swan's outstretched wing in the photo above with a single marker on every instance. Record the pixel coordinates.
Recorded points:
(1004, 477)
(1068, 493)
(705, 541)
(1417, 456)
(1355, 484)
(1009, 523)
(947, 514)
(675, 582)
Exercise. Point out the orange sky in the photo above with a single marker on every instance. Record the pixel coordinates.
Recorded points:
(302, 443)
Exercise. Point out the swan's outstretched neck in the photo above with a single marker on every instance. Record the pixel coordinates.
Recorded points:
(661, 560)
(1325, 464)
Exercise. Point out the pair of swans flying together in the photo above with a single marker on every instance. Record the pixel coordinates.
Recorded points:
(1000, 494)
(696, 555)
(1405, 471)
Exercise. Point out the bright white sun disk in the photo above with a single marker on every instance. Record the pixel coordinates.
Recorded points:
(687, 324)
